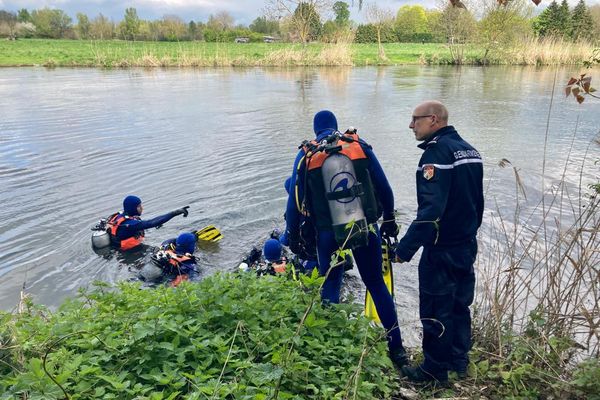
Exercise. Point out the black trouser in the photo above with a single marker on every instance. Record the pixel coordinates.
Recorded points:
(446, 290)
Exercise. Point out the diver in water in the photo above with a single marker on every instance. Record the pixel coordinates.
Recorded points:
(124, 230)
(271, 260)
(175, 258)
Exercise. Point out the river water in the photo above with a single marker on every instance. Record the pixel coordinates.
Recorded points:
(75, 142)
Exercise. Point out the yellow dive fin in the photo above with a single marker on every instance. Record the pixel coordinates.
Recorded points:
(209, 234)
(388, 278)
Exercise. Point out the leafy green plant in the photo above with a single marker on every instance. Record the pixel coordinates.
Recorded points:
(229, 336)
(586, 379)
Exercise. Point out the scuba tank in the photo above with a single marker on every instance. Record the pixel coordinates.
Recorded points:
(343, 191)
(100, 235)
(160, 263)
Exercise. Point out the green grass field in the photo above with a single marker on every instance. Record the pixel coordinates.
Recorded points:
(115, 53)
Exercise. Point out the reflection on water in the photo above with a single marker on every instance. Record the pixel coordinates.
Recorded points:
(74, 142)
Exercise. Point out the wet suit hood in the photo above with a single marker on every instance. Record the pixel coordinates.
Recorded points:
(185, 243)
(324, 123)
(272, 250)
(130, 205)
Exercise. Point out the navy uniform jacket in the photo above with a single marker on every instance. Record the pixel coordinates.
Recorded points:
(449, 194)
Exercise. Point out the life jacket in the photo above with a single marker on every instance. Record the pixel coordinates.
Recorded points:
(271, 268)
(280, 266)
(315, 201)
(172, 263)
(114, 222)
(176, 260)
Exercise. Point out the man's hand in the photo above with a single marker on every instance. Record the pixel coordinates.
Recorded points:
(294, 243)
(389, 229)
(398, 260)
(182, 210)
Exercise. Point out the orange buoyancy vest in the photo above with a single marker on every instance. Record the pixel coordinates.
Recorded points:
(352, 150)
(279, 267)
(175, 260)
(114, 223)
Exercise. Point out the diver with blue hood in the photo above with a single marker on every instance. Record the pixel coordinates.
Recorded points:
(338, 184)
(176, 258)
(125, 229)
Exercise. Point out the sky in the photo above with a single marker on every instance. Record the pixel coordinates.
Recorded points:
(243, 11)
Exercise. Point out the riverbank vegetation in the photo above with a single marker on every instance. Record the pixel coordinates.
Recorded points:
(487, 32)
(228, 336)
(537, 314)
(118, 53)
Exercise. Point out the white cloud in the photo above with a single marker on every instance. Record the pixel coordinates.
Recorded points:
(244, 11)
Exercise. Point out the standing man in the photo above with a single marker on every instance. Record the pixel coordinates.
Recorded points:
(337, 176)
(450, 200)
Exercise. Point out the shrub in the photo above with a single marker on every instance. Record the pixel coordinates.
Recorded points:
(225, 337)
(368, 34)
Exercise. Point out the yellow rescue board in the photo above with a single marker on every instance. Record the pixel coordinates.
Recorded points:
(209, 234)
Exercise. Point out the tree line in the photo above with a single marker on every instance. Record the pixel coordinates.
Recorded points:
(493, 23)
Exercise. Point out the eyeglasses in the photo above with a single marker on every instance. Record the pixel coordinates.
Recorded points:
(416, 117)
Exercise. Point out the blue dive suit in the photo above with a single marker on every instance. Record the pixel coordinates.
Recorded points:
(127, 229)
(182, 263)
(368, 258)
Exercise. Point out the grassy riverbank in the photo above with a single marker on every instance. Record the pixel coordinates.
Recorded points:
(115, 53)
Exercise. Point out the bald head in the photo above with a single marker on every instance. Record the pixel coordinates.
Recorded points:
(434, 107)
(428, 117)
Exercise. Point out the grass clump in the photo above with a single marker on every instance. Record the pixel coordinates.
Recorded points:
(225, 337)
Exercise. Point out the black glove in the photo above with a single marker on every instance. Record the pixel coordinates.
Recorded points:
(183, 210)
(275, 234)
(389, 228)
(295, 244)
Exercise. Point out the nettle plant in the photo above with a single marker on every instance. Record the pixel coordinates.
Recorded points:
(228, 336)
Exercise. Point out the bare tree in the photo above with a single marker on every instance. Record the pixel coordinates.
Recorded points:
(381, 19)
(458, 25)
(302, 14)
(503, 24)
(101, 28)
(221, 21)
(8, 22)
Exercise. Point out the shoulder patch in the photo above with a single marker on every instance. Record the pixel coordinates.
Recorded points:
(428, 171)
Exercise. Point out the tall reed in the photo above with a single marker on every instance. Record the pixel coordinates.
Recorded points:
(337, 54)
(546, 51)
(539, 279)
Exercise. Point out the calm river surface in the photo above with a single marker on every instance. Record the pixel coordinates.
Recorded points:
(75, 142)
